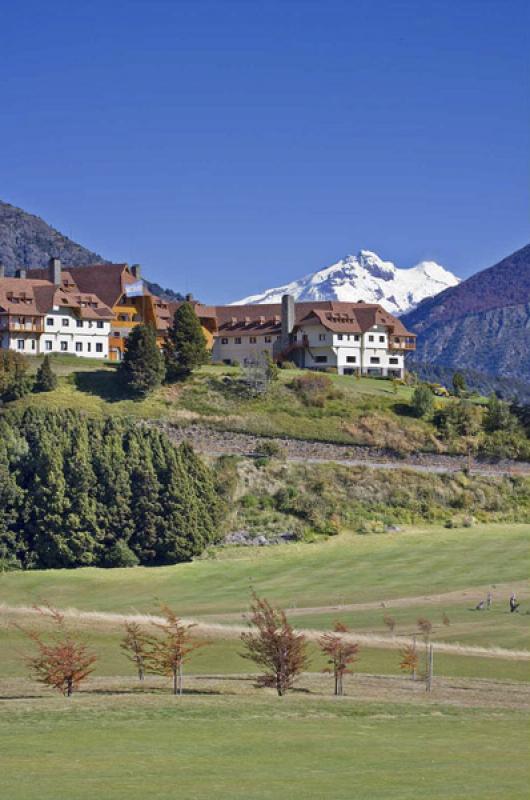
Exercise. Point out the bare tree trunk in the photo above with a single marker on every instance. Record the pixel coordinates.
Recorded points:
(180, 678)
(69, 687)
(414, 667)
(430, 669)
(174, 680)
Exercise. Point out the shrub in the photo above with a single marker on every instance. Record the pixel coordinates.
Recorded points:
(461, 418)
(314, 388)
(288, 365)
(270, 449)
(422, 401)
(121, 555)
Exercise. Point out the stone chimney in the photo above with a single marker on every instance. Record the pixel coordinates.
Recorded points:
(287, 318)
(189, 297)
(136, 271)
(20, 273)
(54, 271)
(2, 271)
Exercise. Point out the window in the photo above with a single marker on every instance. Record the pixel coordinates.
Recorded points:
(47, 345)
(381, 338)
(351, 359)
(33, 344)
(393, 361)
(237, 340)
(356, 337)
(99, 347)
(340, 337)
(99, 323)
(374, 360)
(79, 323)
(20, 344)
(65, 321)
(89, 347)
(49, 321)
(321, 359)
(224, 341)
(321, 337)
(79, 347)
(252, 340)
(370, 338)
(64, 346)
(268, 339)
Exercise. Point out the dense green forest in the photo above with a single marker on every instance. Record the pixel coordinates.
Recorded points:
(76, 491)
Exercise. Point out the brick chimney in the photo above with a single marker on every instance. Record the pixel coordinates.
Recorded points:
(20, 273)
(136, 271)
(287, 318)
(54, 271)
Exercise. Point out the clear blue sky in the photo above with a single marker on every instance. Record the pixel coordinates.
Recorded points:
(229, 146)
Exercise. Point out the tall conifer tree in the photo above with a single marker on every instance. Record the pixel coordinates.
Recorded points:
(185, 345)
(142, 367)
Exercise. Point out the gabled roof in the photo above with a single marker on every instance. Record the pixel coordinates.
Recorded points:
(107, 280)
(336, 316)
(33, 296)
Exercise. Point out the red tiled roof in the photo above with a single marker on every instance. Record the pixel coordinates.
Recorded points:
(336, 316)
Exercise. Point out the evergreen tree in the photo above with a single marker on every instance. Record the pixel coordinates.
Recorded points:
(10, 496)
(46, 379)
(459, 384)
(142, 367)
(14, 382)
(113, 486)
(146, 509)
(185, 345)
(77, 491)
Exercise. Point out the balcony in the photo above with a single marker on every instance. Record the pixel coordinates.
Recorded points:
(15, 326)
(404, 343)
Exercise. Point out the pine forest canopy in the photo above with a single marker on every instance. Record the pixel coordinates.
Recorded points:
(76, 491)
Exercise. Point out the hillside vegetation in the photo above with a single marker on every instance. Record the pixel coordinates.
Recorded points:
(300, 405)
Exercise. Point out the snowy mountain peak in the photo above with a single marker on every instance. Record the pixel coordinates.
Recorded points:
(366, 277)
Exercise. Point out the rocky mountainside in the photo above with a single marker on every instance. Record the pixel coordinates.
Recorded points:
(366, 277)
(28, 241)
(483, 324)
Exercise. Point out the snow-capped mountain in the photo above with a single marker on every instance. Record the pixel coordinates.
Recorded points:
(366, 278)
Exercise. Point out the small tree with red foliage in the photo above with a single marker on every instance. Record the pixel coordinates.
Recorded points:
(340, 654)
(274, 646)
(169, 652)
(409, 660)
(135, 645)
(65, 662)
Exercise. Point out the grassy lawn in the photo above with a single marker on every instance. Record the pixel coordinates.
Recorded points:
(349, 568)
(257, 746)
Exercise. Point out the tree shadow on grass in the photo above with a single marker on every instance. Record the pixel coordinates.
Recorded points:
(143, 690)
(105, 384)
(404, 410)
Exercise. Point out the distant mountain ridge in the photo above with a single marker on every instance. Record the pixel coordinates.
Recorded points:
(483, 324)
(27, 241)
(367, 278)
